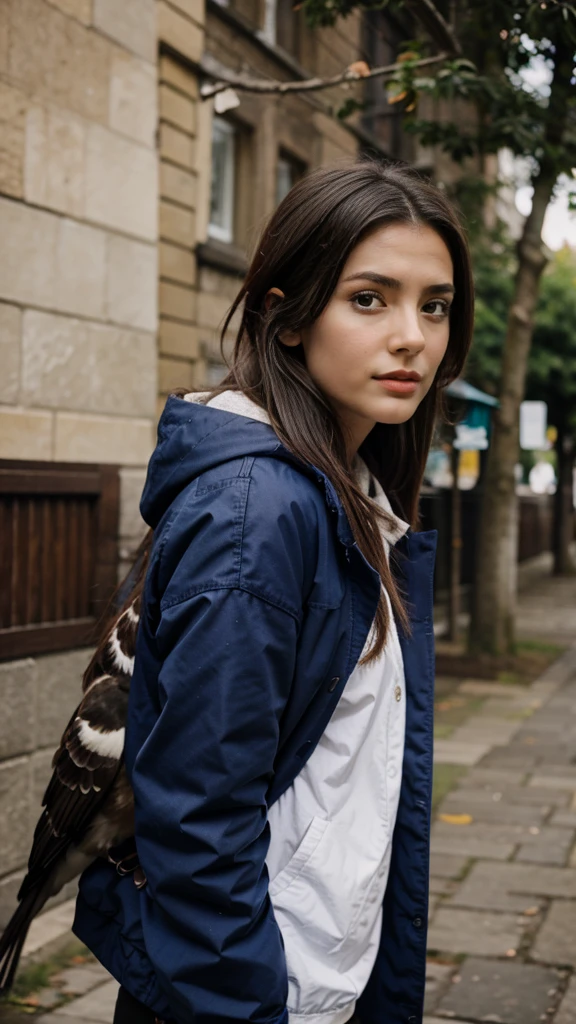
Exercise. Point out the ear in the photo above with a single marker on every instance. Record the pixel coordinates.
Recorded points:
(275, 295)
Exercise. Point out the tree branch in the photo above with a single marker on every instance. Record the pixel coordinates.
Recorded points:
(229, 79)
(433, 21)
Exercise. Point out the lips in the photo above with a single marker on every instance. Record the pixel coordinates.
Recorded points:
(401, 375)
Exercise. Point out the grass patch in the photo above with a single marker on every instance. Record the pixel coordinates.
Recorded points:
(36, 976)
(445, 778)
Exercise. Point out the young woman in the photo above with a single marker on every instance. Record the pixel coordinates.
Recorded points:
(279, 736)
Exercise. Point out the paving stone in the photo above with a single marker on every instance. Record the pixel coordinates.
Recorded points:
(447, 865)
(567, 1012)
(442, 886)
(472, 931)
(449, 752)
(550, 846)
(510, 757)
(495, 811)
(484, 688)
(97, 1006)
(556, 940)
(507, 992)
(566, 819)
(561, 770)
(77, 981)
(532, 795)
(513, 886)
(553, 781)
(496, 777)
(437, 981)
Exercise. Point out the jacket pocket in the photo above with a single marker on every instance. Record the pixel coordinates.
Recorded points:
(297, 863)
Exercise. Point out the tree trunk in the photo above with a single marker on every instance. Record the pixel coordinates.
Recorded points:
(494, 596)
(564, 506)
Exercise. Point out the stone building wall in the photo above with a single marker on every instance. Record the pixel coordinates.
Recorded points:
(78, 309)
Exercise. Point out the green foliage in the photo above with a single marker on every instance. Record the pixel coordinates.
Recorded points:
(500, 39)
(552, 366)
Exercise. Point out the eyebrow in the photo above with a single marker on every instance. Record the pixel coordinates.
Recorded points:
(392, 282)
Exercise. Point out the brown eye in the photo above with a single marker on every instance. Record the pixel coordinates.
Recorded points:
(365, 300)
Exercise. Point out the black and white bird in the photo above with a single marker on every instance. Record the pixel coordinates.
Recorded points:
(88, 804)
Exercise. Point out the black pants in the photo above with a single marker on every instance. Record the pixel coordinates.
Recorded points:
(130, 1011)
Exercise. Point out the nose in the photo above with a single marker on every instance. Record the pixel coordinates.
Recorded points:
(407, 334)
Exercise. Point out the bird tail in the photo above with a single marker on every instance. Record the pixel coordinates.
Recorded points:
(14, 936)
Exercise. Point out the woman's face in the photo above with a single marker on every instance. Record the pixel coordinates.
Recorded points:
(389, 314)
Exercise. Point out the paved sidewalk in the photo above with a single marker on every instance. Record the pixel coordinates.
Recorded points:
(502, 940)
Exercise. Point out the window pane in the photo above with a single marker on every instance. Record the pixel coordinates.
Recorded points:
(284, 178)
(222, 190)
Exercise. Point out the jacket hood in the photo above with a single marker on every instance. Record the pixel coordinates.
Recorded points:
(193, 437)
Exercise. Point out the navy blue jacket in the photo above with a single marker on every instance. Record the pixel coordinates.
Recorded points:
(257, 605)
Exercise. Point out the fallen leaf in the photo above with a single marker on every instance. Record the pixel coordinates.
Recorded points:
(409, 55)
(456, 819)
(531, 911)
(510, 952)
(399, 96)
(359, 67)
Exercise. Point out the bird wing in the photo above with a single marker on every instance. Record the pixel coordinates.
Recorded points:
(86, 765)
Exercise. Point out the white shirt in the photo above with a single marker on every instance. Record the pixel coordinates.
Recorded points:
(331, 831)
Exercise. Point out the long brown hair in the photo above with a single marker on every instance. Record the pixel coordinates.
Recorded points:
(302, 252)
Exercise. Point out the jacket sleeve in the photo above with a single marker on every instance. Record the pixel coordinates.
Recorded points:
(200, 781)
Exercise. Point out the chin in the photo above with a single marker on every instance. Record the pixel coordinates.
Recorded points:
(400, 413)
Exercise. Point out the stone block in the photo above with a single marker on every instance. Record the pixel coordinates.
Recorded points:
(55, 160)
(556, 940)
(177, 185)
(179, 76)
(177, 109)
(220, 283)
(80, 270)
(83, 438)
(132, 283)
(55, 57)
(121, 183)
(133, 103)
(180, 340)
(511, 993)
(437, 981)
(10, 333)
(193, 8)
(184, 35)
(174, 373)
(131, 23)
(9, 887)
(513, 887)
(25, 434)
(41, 764)
(177, 264)
(495, 778)
(495, 812)
(567, 1012)
(487, 841)
(18, 703)
(28, 242)
(482, 933)
(177, 146)
(177, 224)
(177, 301)
(13, 106)
(75, 364)
(566, 782)
(15, 791)
(59, 682)
(78, 980)
(212, 310)
(131, 487)
(79, 9)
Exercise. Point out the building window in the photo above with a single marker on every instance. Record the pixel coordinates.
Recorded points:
(288, 27)
(221, 224)
(288, 171)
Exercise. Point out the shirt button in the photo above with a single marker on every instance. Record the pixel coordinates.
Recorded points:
(398, 693)
(333, 684)
(391, 771)
(417, 922)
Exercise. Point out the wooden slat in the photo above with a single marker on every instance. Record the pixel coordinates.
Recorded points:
(54, 636)
(58, 553)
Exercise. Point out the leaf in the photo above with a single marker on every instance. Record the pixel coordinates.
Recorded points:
(399, 96)
(359, 67)
(456, 819)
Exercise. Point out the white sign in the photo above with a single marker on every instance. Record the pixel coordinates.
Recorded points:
(533, 423)
(471, 439)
